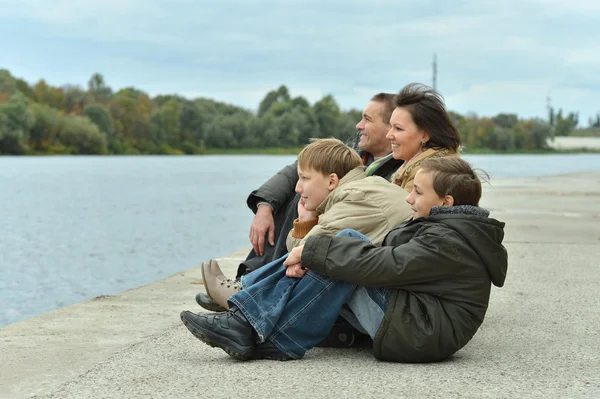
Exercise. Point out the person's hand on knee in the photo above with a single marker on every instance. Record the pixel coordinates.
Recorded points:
(263, 225)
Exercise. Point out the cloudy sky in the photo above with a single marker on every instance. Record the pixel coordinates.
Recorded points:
(493, 56)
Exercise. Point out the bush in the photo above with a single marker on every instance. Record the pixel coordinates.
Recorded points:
(166, 149)
(189, 149)
(12, 142)
(101, 117)
(83, 135)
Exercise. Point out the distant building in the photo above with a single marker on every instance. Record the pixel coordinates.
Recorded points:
(574, 143)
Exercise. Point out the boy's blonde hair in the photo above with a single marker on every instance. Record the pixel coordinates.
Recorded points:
(455, 177)
(328, 156)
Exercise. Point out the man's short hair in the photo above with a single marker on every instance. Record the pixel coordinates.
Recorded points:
(455, 177)
(328, 156)
(387, 99)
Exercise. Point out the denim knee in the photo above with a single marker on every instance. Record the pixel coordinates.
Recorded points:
(353, 233)
(348, 233)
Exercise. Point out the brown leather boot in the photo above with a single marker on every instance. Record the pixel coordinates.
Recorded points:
(218, 287)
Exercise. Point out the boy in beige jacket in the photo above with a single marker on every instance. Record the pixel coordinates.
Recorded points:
(336, 194)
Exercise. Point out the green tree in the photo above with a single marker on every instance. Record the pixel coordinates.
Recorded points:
(506, 121)
(288, 127)
(273, 97)
(192, 122)
(7, 85)
(123, 108)
(565, 125)
(24, 88)
(15, 122)
(45, 127)
(75, 99)
(82, 136)
(98, 90)
(327, 113)
(268, 131)
(165, 124)
(347, 126)
(100, 115)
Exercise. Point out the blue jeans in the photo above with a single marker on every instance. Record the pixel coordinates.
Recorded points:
(296, 314)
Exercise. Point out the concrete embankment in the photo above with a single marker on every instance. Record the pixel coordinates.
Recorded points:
(540, 337)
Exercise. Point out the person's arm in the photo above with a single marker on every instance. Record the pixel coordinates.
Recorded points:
(268, 199)
(298, 233)
(354, 209)
(277, 191)
(302, 226)
(423, 259)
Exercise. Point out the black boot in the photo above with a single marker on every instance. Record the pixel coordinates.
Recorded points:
(342, 335)
(269, 351)
(229, 331)
(204, 300)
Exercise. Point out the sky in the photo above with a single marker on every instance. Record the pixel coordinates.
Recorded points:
(492, 56)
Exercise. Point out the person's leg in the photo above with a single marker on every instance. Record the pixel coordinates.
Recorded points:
(284, 309)
(309, 314)
(368, 307)
(294, 314)
(267, 292)
(304, 324)
(256, 276)
(353, 233)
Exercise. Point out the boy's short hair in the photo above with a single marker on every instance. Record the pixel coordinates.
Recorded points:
(455, 177)
(328, 156)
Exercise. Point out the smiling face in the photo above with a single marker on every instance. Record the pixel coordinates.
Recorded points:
(373, 130)
(314, 187)
(423, 196)
(405, 137)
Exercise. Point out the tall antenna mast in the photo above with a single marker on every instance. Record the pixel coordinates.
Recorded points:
(434, 72)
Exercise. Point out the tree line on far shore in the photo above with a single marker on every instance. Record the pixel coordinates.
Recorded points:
(44, 119)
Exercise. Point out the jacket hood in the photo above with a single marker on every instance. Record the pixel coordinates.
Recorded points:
(484, 235)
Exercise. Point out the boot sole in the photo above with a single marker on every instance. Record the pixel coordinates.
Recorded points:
(239, 354)
(267, 355)
(211, 306)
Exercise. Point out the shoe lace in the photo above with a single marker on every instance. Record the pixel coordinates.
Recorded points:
(235, 283)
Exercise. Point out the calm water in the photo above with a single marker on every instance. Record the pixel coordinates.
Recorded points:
(73, 228)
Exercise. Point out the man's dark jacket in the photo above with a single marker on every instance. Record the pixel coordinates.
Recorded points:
(439, 270)
(279, 192)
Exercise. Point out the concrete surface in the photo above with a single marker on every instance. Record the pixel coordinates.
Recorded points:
(539, 340)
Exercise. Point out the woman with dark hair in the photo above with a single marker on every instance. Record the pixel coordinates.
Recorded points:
(420, 129)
